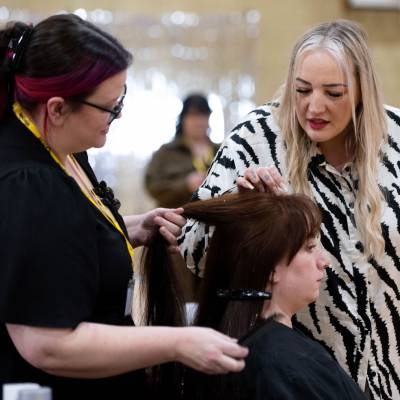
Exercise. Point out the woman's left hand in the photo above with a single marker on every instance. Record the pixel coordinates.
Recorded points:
(168, 221)
(262, 179)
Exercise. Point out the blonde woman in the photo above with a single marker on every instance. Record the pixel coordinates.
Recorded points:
(330, 136)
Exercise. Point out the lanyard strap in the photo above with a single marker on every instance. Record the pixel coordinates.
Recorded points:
(201, 164)
(35, 131)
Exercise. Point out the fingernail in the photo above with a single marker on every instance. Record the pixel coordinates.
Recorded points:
(266, 178)
(249, 185)
(284, 188)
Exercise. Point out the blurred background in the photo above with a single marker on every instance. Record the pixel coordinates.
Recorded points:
(234, 51)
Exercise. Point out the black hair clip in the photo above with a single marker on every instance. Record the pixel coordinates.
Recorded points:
(16, 48)
(243, 294)
(106, 195)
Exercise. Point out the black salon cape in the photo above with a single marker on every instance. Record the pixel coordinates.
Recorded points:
(283, 364)
(61, 262)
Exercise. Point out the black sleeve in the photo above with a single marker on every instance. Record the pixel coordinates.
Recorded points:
(48, 250)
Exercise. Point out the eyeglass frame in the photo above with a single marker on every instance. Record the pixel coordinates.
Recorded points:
(114, 113)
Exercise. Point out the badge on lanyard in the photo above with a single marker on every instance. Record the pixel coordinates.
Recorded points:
(129, 298)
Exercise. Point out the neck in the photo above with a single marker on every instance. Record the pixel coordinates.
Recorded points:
(336, 152)
(50, 139)
(56, 146)
(200, 140)
(272, 308)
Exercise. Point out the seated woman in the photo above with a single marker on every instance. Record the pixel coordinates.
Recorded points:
(264, 242)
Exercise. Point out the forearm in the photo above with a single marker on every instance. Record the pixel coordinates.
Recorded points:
(96, 350)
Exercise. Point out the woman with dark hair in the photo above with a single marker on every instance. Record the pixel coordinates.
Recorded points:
(178, 168)
(263, 265)
(66, 253)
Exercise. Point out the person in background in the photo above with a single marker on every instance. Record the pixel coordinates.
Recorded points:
(329, 135)
(178, 168)
(66, 253)
(263, 265)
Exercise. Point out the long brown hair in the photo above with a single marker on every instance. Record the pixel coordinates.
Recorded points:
(253, 232)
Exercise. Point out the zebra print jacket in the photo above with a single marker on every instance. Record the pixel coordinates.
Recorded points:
(357, 316)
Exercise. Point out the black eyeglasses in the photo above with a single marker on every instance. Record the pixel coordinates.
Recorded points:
(114, 113)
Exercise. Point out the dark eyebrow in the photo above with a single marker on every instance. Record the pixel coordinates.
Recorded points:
(329, 85)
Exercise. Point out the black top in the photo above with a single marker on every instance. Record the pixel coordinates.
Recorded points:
(61, 261)
(286, 365)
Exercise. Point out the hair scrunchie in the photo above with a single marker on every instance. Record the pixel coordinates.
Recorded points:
(16, 48)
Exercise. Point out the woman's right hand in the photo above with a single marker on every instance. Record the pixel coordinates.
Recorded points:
(209, 351)
(262, 179)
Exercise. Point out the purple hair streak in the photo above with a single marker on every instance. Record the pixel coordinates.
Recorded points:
(81, 80)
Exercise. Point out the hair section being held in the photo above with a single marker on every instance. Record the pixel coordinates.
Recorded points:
(163, 304)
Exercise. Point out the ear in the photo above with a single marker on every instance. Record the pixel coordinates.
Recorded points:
(278, 273)
(57, 110)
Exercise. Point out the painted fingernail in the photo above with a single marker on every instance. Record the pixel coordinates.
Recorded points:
(249, 185)
(284, 188)
(266, 178)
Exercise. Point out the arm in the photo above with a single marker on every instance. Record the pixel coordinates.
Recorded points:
(254, 143)
(95, 350)
(194, 241)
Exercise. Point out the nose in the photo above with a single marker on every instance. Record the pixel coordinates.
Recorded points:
(323, 260)
(316, 103)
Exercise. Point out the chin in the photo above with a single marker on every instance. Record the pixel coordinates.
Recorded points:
(313, 298)
(100, 143)
(316, 137)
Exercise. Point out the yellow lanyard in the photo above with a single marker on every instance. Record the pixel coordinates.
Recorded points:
(201, 164)
(35, 131)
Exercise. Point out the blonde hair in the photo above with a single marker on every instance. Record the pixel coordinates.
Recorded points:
(346, 41)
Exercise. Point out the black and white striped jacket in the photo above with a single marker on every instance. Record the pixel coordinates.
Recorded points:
(357, 316)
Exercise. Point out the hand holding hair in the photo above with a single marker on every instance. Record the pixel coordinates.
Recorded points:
(209, 351)
(143, 228)
(262, 179)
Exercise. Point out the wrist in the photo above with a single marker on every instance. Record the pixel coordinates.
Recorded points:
(133, 225)
(178, 338)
